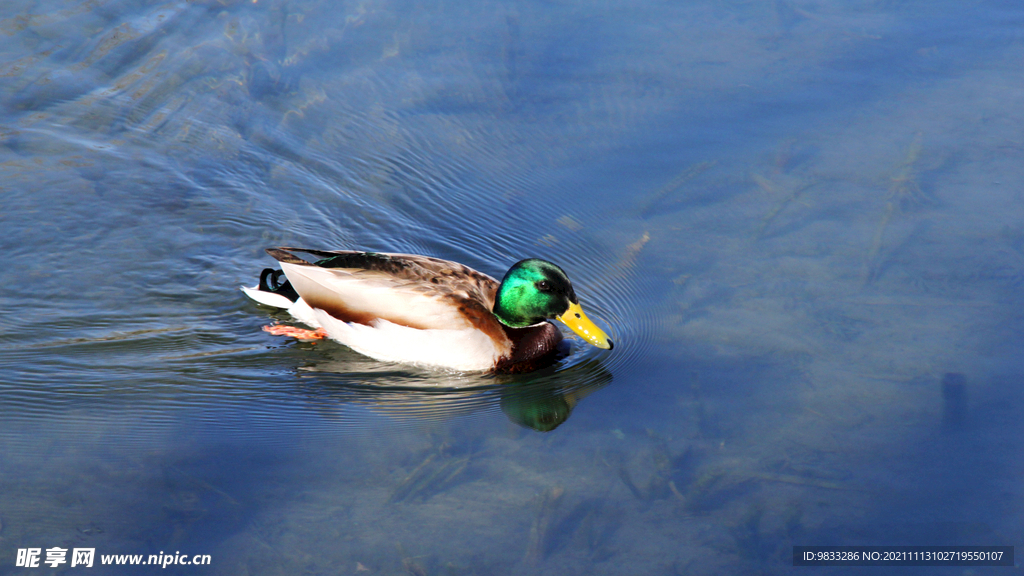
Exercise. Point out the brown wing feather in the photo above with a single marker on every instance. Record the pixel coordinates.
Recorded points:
(432, 275)
(472, 293)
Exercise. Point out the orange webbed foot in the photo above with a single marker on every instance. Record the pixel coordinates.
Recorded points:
(299, 333)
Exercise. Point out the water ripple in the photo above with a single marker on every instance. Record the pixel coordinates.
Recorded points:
(204, 141)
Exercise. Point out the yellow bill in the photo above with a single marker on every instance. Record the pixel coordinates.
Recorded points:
(578, 322)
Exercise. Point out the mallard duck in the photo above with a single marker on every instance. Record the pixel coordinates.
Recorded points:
(427, 311)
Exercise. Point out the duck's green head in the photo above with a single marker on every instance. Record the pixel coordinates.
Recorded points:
(534, 290)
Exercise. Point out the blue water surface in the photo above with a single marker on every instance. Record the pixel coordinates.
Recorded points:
(801, 221)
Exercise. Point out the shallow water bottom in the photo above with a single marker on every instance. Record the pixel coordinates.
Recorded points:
(690, 489)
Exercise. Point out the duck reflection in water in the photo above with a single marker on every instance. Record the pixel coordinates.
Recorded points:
(541, 401)
(546, 403)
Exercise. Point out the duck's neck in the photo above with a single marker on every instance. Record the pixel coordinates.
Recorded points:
(533, 347)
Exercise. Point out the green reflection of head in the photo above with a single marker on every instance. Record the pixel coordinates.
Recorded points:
(543, 413)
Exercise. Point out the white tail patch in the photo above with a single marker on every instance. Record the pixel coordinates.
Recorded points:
(267, 298)
(298, 309)
(466, 349)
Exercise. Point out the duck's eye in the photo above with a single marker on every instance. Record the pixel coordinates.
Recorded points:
(544, 286)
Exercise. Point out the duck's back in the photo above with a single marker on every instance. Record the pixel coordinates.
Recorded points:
(405, 289)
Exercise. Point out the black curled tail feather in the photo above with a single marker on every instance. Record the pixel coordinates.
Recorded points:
(269, 282)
